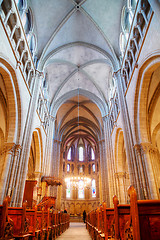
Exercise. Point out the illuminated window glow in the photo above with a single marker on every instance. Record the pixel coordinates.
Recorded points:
(92, 154)
(69, 154)
(81, 189)
(93, 167)
(93, 188)
(81, 154)
(81, 169)
(68, 167)
(68, 190)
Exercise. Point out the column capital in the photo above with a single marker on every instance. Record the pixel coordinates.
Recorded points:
(145, 147)
(18, 64)
(10, 148)
(52, 118)
(121, 175)
(117, 72)
(105, 118)
(39, 74)
(56, 141)
(101, 141)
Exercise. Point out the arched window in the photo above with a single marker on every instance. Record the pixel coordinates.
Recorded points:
(80, 169)
(92, 154)
(69, 154)
(68, 167)
(22, 5)
(122, 43)
(93, 188)
(81, 150)
(93, 167)
(68, 188)
(81, 189)
(27, 22)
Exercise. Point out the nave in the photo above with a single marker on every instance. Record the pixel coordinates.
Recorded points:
(76, 231)
(79, 118)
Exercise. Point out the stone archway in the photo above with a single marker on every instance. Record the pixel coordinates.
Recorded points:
(10, 124)
(35, 165)
(147, 119)
(121, 167)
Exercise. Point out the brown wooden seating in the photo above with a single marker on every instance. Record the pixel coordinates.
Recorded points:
(139, 220)
(22, 223)
(6, 223)
(144, 221)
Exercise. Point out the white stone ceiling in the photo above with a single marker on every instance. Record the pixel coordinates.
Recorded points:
(77, 48)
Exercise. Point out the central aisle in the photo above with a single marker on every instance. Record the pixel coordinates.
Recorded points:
(77, 231)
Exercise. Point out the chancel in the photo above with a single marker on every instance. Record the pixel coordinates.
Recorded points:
(80, 119)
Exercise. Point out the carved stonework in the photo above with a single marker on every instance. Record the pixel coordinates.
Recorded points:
(39, 74)
(51, 181)
(144, 148)
(10, 148)
(120, 175)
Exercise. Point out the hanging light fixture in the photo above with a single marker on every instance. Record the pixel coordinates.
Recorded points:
(76, 180)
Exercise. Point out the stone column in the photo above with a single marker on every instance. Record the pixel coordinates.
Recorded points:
(60, 169)
(106, 179)
(21, 172)
(102, 171)
(49, 151)
(110, 161)
(120, 178)
(128, 137)
(148, 157)
(38, 176)
(7, 156)
(48, 147)
(10, 190)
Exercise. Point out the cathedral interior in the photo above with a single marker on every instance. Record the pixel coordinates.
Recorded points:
(79, 97)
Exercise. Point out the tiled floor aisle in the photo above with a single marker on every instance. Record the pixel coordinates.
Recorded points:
(76, 231)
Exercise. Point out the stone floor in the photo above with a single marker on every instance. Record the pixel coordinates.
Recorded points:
(76, 231)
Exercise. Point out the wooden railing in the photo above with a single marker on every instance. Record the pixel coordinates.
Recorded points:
(139, 220)
(23, 223)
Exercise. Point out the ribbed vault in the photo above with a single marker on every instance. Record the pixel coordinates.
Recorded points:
(77, 48)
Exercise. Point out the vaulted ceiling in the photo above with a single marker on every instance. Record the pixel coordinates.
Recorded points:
(78, 49)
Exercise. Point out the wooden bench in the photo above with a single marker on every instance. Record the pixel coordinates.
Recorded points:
(6, 223)
(31, 224)
(21, 223)
(144, 220)
(139, 220)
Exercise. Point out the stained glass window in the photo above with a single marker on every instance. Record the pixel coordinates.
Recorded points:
(81, 189)
(80, 153)
(69, 154)
(68, 167)
(93, 188)
(68, 189)
(92, 154)
(93, 168)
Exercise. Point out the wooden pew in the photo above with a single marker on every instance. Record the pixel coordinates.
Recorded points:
(144, 221)
(22, 223)
(121, 216)
(139, 220)
(6, 223)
